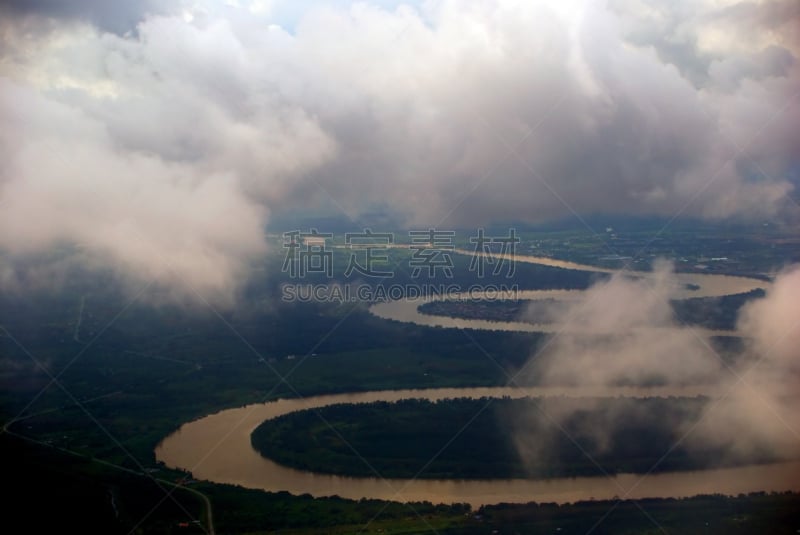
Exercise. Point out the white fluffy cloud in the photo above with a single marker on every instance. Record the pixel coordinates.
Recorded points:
(622, 332)
(759, 412)
(182, 133)
(67, 183)
(774, 322)
(625, 335)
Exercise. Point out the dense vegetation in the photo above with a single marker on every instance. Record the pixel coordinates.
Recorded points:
(142, 371)
(54, 491)
(713, 312)
(50, 491)
(470, 438)
(131, 366)
(757, 513)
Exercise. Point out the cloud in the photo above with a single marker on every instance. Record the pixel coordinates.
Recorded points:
(120, 16)
(760, 410)
(454, 113)
(621, 332)
(773, 323)
(137, 156)
(153, 219)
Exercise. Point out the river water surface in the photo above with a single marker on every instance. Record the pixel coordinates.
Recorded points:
(217, 447)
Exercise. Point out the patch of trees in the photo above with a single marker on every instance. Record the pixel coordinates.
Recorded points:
(753, 513)
(475, 438)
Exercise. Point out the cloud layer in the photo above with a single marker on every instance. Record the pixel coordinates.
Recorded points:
(627, 336)
(622, 332)
(762, 409)
(161, 137)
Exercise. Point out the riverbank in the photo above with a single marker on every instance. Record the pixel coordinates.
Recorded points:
(217, 448)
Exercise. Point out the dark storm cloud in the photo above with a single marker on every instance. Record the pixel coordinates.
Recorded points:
(597, 125)
(117, 16)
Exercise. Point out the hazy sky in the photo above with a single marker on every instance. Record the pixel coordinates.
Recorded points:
(159, 136)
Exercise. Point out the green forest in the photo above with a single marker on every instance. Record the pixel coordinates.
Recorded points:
(132, 367)
(470, 438)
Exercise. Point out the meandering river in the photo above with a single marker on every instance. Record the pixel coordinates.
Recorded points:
(406, 310)
(217, 447)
